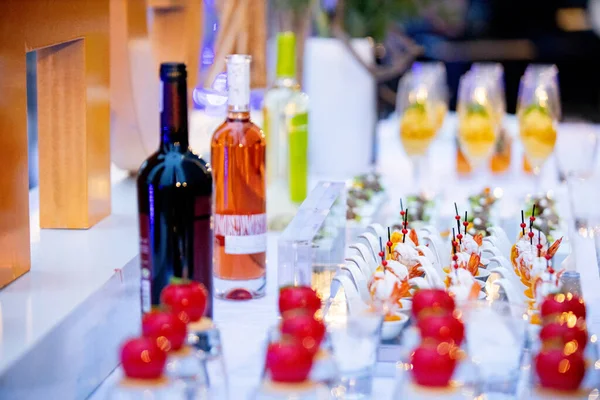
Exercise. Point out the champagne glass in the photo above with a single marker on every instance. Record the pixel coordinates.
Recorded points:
(538, 113)
(477, 121)
(422, 104)
(495, 72)
(501, 157)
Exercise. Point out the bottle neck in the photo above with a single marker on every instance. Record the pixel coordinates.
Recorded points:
(234, 115)
(286, 82)
(286, 55)
(173, 115)
(238, 82)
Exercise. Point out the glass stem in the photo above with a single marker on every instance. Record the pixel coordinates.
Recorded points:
(417, 164)
(478, 173)
(537, 181)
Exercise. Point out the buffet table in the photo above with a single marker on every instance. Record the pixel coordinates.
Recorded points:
(244, 325)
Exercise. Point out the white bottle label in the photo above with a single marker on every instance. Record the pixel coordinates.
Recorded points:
(242, 234)
(246, 244)
(146, 301)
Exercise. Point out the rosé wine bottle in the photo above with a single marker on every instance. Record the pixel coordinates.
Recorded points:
(240, 222)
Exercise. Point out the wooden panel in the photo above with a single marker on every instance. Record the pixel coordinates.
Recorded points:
(61, 122)
(73, 112)
(32, 25)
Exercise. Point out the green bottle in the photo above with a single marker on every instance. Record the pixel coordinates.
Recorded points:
(286, 129)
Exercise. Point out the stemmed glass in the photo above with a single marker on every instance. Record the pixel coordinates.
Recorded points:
(479, 113)
(538, 113)
(495, 72)
(422, 104)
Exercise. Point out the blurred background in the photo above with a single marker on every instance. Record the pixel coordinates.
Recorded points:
(455, 32)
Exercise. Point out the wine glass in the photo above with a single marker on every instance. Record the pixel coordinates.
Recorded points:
(422, 104)
(478, 121)
(495, 72)
(538, 113)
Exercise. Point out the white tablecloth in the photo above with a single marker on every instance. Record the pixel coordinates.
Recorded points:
(243, 325)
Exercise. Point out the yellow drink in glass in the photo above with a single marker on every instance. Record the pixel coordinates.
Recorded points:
(417, 130)
(477, 135)
(538, 134)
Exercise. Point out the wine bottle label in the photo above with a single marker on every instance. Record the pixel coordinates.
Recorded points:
(242, 234)
(160, 97)
(146, 263)
(146, 300)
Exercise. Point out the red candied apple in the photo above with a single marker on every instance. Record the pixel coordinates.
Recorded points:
(161, 324)
(288, 361)
(560, 369)
(305, 329)
(298, 297)
(562, 333)
(434, 363)
(576, 305)
(143, 359)
(560, 303)
(186, 300)
(443, 328)
(431, 299)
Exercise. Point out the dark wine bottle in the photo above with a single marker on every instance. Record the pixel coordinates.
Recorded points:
(174, 201)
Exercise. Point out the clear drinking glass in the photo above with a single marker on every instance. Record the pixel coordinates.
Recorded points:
(187, 367)
(422, 104)
(571, 283)
(461, 383)
(584, 192)
(208, 343)
(478, 118)
(354, 342)
(496, 338)
(316, 388)
(126, 390)
(577, 149)
(538, 113)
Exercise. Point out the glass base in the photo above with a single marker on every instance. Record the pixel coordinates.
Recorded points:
(239, 290)
(353, 386)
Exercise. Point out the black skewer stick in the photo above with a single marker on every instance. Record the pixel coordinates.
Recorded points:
(539, 244)
(453, 241)
(457, 221)
(390, 241)
(523, 222)
(381, 248)
(405, 226)
(454, 248)
(466, 224)
(531, 224)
